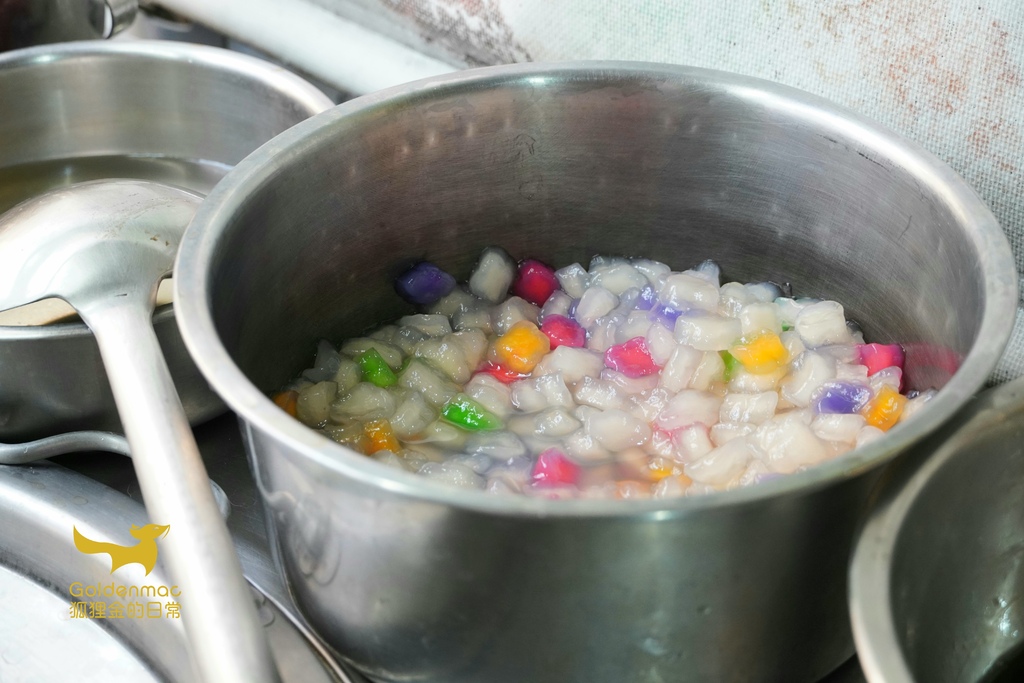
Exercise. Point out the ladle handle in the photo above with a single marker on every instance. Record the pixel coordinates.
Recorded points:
(227, 641)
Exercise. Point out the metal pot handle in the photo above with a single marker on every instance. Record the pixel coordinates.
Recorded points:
(78, 442)
(122, 14)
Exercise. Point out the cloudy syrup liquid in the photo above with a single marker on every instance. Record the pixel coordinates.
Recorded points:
(23, 181)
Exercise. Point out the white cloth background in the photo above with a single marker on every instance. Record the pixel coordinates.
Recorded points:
(947, 74)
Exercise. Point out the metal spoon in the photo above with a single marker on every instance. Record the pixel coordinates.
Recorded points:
(104, 247)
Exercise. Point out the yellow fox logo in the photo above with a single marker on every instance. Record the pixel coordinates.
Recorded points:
(144, 552)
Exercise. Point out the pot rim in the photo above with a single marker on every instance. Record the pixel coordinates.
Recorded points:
(192, 285)
(305, 95)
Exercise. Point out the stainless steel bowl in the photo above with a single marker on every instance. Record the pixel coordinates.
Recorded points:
(175, 113)
(411, 580)
(937, 579)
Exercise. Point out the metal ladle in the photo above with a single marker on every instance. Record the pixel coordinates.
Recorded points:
(104, 247)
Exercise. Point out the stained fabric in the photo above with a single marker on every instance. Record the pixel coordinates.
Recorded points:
(948, 75)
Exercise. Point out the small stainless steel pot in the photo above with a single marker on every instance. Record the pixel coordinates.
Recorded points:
(937, 579)
(176, 113)
(411, 580)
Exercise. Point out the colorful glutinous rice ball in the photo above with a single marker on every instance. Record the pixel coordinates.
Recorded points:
(621, 380)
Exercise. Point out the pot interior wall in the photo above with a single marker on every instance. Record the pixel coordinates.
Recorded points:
(678, 171)
(105, 102)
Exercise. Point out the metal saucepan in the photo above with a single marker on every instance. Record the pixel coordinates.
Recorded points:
(937, 579)
(411, 580)
(174, 113)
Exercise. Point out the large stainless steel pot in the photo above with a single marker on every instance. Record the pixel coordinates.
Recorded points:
(937, 579)
(415, 581)
(180, 114)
